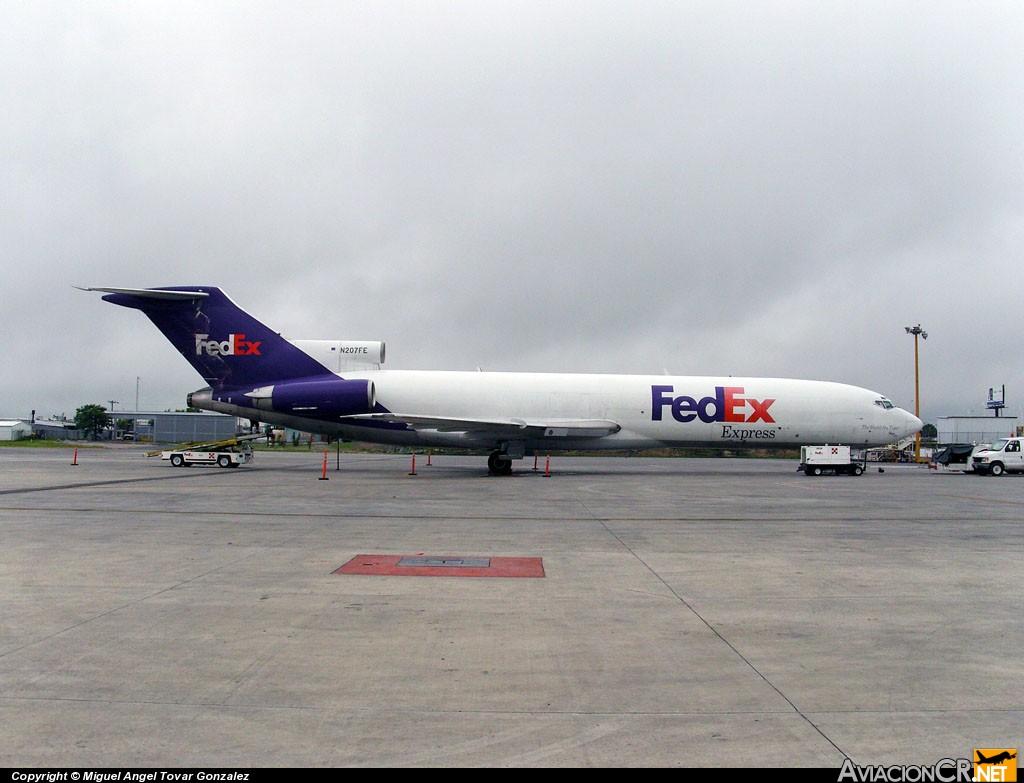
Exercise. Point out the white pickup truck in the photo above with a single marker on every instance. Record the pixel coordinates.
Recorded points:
(1006, 455)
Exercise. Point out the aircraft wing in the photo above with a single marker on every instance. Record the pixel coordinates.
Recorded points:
(505, 428)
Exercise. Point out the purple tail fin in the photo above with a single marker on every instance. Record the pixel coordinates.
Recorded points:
(226, 345)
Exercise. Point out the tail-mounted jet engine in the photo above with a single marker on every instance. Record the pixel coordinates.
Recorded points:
(316, 397)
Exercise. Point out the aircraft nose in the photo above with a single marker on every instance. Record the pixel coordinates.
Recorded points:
(913, 423)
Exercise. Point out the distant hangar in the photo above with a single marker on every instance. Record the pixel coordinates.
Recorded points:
(974, 429)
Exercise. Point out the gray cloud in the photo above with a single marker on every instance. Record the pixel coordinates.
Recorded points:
(704, 188)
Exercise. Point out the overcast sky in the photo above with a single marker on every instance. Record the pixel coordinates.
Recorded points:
(702, 188)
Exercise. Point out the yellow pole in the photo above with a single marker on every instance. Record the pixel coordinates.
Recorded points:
(917, 331)
(917, 403)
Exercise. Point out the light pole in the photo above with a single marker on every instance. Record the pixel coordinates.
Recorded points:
(112, 404)
(135, 420)
(917, 331)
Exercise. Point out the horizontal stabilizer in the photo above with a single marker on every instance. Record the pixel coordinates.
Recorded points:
(151, 293)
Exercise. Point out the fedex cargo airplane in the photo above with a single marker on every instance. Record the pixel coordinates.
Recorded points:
(337, 388)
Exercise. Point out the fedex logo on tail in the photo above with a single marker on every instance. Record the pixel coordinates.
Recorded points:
(235, 345)
(728, 404)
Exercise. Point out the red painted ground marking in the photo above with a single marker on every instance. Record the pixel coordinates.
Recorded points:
(388, 565)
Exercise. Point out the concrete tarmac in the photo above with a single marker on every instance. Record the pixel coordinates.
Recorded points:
(691, 613)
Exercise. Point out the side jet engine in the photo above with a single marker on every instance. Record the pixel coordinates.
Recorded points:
(319, 397)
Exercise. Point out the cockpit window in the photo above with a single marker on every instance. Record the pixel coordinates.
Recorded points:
(884, 403)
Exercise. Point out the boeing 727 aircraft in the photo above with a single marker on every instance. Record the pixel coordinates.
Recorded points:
(338, 388)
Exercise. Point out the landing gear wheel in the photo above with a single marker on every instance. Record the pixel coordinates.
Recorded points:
(498, 464)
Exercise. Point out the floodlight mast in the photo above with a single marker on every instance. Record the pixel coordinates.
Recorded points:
(917, 331)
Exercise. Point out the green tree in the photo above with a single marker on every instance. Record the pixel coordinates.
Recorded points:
(92, 419)
(929, 431)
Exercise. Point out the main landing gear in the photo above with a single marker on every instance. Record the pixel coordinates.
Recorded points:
(499, 464)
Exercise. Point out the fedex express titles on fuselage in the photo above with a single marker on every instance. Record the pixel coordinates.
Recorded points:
(726, 406)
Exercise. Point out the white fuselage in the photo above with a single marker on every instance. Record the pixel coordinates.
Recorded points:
(651, 411)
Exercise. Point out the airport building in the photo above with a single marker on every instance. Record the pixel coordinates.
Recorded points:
(55, 429)
(178, 427)
(145, 426)
(974, 429)
(14, 429)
